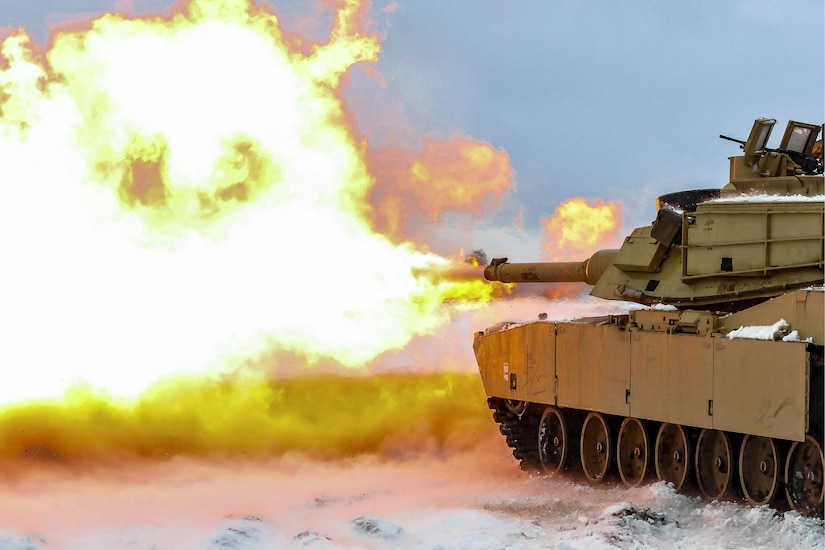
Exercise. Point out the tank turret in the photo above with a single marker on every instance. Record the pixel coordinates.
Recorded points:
(726, 249)
(725, 391)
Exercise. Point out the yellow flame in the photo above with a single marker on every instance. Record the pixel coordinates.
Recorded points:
(182, 194)
(324, 417)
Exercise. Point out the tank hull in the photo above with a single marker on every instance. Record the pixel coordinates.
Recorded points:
(671, 371)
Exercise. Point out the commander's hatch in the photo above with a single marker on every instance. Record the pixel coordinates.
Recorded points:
(799, 138)
(798, 143)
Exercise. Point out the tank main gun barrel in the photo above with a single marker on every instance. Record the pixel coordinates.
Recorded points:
(588, 271)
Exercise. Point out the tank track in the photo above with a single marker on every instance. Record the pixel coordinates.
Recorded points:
(520, 429)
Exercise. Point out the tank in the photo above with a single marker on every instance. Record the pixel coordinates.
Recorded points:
(715, 380)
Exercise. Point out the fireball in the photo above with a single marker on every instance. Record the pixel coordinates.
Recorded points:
(185, 194)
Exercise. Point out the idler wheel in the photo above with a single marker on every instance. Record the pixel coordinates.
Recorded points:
(632, 452)
(552, 440)
(758, 460)
(803, 476)
(714, 463)
(596, 447)
(672, 455)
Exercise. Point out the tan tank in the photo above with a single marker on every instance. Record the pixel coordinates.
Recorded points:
(718, 382)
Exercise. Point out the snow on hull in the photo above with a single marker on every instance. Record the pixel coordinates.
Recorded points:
(769, 198)
(780, 330)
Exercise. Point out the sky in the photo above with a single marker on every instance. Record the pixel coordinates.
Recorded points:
(208, 216)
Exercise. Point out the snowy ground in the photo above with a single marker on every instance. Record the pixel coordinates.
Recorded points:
(473, 500)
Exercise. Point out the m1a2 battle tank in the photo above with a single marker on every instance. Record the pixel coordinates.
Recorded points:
(718, 382)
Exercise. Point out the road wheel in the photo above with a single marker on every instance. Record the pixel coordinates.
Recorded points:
(758, 460)
(552, 440)
(596, 447)
(803, 476)
(672, 455)
(632, 452)
(714, 463)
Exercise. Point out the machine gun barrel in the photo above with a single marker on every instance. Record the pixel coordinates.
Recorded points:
(739, 141)
(588, 271)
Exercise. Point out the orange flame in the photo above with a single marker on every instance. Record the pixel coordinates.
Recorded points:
(461, 176)
(578, 229)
